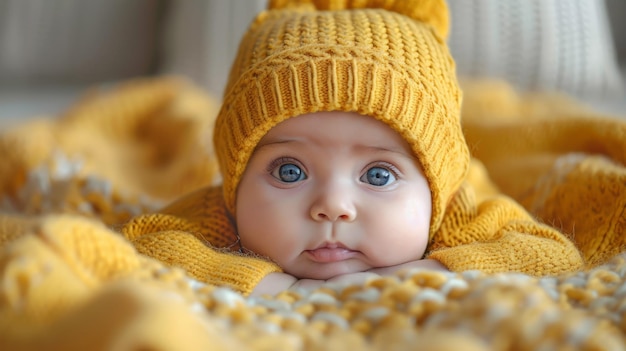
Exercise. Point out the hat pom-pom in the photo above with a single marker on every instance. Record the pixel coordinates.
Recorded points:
(432, 12)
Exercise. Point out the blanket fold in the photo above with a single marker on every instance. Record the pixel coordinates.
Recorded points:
(565, 164)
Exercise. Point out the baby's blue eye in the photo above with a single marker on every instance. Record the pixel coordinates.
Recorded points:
(378, 176)
(289, 173)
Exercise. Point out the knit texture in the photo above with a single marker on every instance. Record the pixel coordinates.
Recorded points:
(572, 161)
(195, 233)
(114, 153)
(385, 59)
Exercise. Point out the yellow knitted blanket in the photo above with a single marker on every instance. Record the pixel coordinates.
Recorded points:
(69, 281)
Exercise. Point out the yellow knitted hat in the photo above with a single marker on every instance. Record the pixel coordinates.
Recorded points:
(383, 58)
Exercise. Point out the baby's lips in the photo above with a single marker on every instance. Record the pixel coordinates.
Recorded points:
(328, 254)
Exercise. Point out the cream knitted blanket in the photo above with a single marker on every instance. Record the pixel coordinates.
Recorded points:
(69, 281)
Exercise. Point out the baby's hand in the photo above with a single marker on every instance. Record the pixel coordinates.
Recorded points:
(274, 283)
(362, 277)
(425, 263)
(354, 278)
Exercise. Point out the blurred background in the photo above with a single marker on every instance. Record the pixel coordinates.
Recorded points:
(52, 50)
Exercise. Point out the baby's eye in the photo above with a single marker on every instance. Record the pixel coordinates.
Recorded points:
(378, 176)
(288, 173)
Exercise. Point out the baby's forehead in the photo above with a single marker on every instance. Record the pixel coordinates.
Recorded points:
(336, 128)
(322, 121)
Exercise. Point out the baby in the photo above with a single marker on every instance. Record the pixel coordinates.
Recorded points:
(342, 156)
(328, 194)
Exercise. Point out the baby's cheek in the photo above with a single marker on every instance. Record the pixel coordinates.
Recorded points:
(414, 234)
(419, 216)
(269, 235)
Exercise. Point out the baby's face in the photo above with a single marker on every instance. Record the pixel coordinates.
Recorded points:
(331, 193)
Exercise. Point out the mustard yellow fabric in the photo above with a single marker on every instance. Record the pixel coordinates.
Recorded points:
(196, 234)
(115, 232)
(138, 135)
(69, 283)
(557, 158)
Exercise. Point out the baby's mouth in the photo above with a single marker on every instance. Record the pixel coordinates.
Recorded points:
(328, 253)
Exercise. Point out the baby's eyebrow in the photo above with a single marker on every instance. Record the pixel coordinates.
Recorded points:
(262, 144)
(380, 148)
(272, 143)
(395, 150)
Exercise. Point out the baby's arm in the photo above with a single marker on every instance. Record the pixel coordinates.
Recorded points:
(274, 283)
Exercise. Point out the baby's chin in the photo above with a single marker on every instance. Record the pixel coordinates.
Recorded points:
(325, 271)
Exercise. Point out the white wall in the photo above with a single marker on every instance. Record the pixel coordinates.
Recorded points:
(203, 36)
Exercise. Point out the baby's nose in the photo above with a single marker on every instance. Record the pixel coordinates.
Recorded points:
(333, 205)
